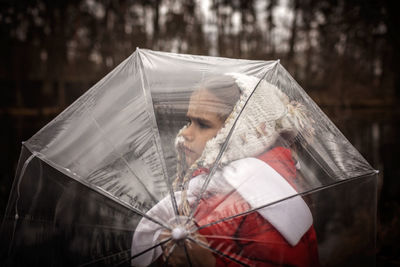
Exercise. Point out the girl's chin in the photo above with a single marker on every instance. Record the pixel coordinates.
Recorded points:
(189, 162)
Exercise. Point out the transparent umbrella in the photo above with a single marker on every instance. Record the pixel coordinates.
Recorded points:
(189, 160)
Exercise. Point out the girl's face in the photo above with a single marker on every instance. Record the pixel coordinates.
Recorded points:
(204, 123)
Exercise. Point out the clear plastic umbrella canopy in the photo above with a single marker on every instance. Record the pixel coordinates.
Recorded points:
(187, 160)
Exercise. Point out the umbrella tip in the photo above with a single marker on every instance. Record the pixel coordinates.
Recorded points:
(178, 233)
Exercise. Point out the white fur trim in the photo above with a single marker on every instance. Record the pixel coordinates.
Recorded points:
(259, 184)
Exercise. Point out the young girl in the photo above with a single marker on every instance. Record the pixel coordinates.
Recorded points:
(233, 216)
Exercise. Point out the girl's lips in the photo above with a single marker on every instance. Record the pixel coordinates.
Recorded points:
(188, 151)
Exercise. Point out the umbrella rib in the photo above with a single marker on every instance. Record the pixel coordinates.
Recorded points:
(34, 154)
(145, 251)
(216, 251)
(187, 254)
(220, 203)
(104, 192)
(235, 238)
(169, 254)
(16, 216)
(245, 212)
(280, 200)
(157, 140)
(221, 151)
(150, 218)
(51, 222)
(105, 257)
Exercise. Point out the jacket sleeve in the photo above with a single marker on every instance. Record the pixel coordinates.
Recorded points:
(259, 241)
(252, 240)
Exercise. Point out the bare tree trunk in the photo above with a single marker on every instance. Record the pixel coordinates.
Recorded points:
(293, 37)
(156, 23)
(308, 15)
(270, 27)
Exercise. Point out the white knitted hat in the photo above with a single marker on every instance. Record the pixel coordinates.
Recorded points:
(267, 115)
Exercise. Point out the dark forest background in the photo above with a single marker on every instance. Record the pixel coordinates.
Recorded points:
(345, 54)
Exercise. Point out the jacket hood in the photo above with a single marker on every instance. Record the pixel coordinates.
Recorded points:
(262, 116)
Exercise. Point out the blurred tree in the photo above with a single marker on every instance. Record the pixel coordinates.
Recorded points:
(293, 37)
(269, 20)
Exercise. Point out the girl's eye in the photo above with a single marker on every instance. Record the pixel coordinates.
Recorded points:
(188, 121)
(203, 125)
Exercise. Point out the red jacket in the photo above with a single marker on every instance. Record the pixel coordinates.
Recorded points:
(250, 238)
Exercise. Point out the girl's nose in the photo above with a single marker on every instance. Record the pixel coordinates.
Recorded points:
(187, 133)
